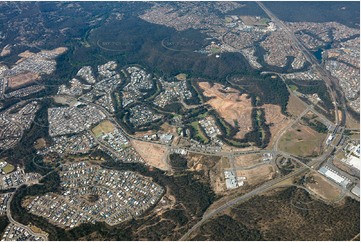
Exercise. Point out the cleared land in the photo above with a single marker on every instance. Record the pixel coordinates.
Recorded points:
(169, 128)
(352, 123)
(26, 54)
(253, 21)
(40, 143)
(257, 175)
(295, 107)
(36, 229)
(65, 100)
(230, 105)
(303, 141)
(181, 77)
(22, 79)
(247, 160)
(341, 165)
(104, 127)
(322, 187)
(153, 154)
(276, 120)
(211, 165)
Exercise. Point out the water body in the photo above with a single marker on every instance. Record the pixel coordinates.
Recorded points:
(318, 52)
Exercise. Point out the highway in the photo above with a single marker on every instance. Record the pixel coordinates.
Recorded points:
(261, 189)
(330, 81)
(316, 162)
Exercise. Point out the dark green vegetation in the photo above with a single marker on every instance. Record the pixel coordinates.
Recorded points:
(4, 221)
(262, 89)
(178, 162)
(291, 214)
(225, 228)
(144, 44)
(317, 87)
(315, 125)
(260, 134)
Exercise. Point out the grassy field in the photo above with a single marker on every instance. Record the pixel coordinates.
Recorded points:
(8, 168)
(104, 127)
(293, 88)
(295, 107)
(322, 187)
(247, 160)
(200, 134)
(303, 141)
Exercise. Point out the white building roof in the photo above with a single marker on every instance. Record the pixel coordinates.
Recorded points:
(354, 161)
(334, 176)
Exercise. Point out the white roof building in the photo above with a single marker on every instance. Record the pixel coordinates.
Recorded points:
(334, 176)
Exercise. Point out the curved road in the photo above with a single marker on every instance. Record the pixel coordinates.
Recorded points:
(8, 214)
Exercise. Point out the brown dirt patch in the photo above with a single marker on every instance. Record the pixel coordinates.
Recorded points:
(230, 105)
(40, 144)
(181, 77)
(276, 119)
(211, 165)
(59, 50)
(257, 175)
(153, 154)
(167, 128)
(143, 133)
(5, 51)
(295, 107)
(26, 54)
(228, 148)
(36, 229)
(247, 160)
(322, 187)
(22, 79)
(27, 200)
(352, 123)
(341, 165)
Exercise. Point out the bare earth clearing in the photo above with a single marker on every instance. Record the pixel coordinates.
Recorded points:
(22, 79)
(230, 105)
(277, 119)
(324, 188)
(257, 175)
(235, 108)
(153, 154)
(213, 166)
(247, 160)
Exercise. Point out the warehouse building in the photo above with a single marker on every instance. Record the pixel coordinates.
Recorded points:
(333, 175)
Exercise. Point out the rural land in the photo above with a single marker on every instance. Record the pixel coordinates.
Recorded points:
(179, 121)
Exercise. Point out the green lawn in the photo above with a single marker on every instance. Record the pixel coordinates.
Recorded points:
(8, 168)
(200, 133)
(293, 88)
